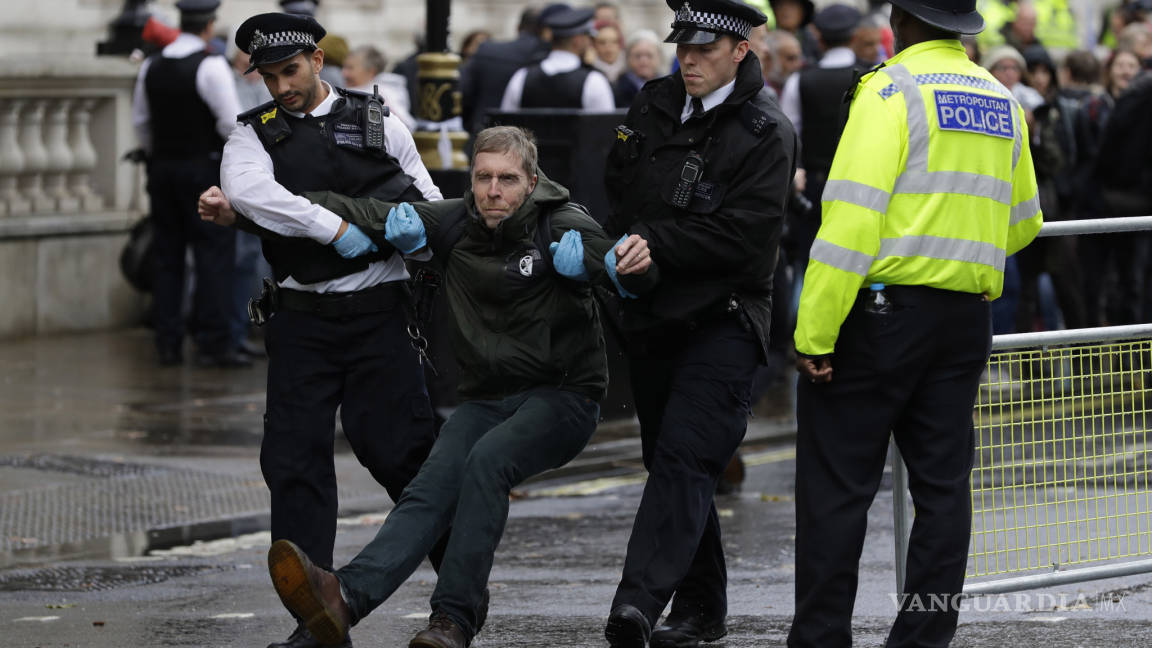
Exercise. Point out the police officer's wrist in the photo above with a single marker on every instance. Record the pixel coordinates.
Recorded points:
(340, 232)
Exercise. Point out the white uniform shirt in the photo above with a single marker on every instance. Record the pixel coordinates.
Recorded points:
(597, 94)
(837, 57)
(214, 84)
(710, 100)
(247, 178)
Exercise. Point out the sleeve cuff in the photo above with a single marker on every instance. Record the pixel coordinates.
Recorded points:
(326, 226)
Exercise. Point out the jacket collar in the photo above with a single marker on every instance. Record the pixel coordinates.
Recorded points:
(927, 46)
(749, 82)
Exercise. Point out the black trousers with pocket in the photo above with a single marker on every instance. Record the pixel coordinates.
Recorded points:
(911, 374)
(692, 391)
(365, 365)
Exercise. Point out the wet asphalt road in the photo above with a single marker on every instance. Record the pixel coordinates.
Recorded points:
(554, 575)
(553, 579)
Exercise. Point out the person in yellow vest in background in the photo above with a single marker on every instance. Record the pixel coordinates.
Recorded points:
(1052, 21)
(1056, 26)
(931, 188)
(996, 14)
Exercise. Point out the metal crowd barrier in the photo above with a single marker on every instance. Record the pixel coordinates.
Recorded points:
(1061, 484)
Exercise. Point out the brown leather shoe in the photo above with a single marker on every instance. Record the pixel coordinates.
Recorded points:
(310, 593)
(442, 632)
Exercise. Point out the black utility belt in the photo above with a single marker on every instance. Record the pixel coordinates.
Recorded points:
(376, 299)
(909, 295)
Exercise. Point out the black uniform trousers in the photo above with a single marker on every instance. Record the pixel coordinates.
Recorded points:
(364, 364)
(174, 186)
(692, 390)
(912, 373)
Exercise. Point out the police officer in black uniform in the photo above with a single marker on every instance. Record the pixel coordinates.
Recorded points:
(337, 316)
(814, 100)
(562, 80)
(184, 107)
(700, 170)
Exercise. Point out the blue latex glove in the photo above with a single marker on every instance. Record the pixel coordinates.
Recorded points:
(610, 266)
(568, 256)
(354, 242)
(404, 229)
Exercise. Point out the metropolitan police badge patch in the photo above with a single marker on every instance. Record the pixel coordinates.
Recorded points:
(975, 113)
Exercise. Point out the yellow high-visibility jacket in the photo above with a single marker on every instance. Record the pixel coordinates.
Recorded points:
(932, 185)
(1055, 23)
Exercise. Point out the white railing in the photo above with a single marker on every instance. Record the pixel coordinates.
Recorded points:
(1089, 367)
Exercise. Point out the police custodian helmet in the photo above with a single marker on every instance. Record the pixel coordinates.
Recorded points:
(959, 16)
(699, 22)
(274, 37)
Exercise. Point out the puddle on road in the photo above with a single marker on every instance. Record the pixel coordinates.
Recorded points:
(139, 545)
(227, 420)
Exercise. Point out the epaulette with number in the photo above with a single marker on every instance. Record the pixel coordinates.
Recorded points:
(267, 121)
(755, 120)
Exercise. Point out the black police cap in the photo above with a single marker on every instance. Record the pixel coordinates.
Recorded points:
(703, 21)
(837, 22)
(274, 37)
(569, 21)
(958, 16)
(198, 7)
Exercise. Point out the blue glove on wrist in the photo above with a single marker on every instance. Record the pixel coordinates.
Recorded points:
(404, 229)
(353, 243)
(568, 256)
(610, 266)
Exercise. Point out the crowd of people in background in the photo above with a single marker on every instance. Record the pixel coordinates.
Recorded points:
(1087, 105)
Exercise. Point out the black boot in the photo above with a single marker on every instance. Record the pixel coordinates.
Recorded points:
(682, 630)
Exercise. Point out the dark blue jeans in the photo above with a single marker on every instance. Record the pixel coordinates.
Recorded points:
(484, 450)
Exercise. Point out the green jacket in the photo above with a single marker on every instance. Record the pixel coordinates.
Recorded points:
(516, 323)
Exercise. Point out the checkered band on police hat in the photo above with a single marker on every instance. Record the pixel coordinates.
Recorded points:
(689, 18)
(262, 41)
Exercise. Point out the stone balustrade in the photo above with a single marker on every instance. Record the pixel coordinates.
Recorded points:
(67, 199)
(47, 156)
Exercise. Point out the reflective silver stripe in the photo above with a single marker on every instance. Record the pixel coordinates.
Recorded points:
(945, 249)
(840, 257)
(955, 182)
(916, 178)
(917, 118)
(858, 194)
(1025, 210)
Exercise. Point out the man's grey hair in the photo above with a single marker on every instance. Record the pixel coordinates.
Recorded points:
(509, 139)
(642, 36)
(371, 58)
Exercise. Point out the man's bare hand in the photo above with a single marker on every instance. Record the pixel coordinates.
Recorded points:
(214, 207)
(815, 370)
(800, 182)
(633, 256)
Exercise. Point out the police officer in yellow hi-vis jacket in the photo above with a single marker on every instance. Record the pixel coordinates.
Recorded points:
(931, 188)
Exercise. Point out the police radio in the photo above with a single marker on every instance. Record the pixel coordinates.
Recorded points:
(689, 177)
(374, 114)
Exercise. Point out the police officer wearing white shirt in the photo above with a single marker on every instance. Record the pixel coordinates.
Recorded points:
(183, 109)
(337, 332)
(562, 80)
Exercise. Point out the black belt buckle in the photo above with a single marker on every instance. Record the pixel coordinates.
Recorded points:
(259, 310)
